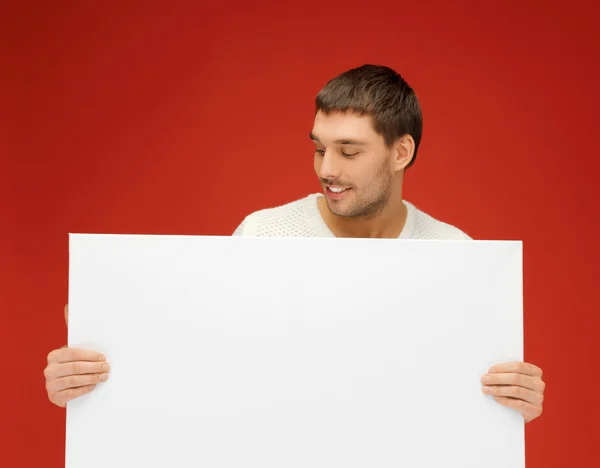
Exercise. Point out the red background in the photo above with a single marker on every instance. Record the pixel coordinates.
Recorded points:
(179, 119)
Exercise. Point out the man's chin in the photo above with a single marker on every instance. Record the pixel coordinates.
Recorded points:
(338, 209)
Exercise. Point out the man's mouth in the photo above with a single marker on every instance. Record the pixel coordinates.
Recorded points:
(335, 192)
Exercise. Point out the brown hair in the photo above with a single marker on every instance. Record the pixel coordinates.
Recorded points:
(380, 92)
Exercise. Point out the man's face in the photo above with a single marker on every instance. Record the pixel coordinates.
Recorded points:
(354, 166)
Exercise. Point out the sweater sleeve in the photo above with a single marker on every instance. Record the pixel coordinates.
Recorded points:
(239, 231)
(247, 227)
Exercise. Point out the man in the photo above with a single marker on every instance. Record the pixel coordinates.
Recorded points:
(366, 131)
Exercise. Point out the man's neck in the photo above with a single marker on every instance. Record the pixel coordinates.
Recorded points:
(387, 223)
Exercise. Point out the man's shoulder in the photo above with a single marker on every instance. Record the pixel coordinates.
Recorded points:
(428, 227)
(288, 219)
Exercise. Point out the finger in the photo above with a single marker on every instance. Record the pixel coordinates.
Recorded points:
(76, 368)
(74, 381)
(520, 380)
(514, 392)
(74, 354)
(517, 367)
(63, 397)
(528, 410)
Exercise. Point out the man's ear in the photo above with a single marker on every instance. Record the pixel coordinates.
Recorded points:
(404, 151)
(67, 315)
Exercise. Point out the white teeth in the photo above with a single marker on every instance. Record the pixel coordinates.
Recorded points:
(336, 190)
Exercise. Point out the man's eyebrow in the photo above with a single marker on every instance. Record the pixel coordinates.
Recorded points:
(348, 141)
(344, 141)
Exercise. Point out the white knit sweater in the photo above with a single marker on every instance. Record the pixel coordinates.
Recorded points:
(302, 218)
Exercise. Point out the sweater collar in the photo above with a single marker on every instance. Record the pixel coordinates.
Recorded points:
(322, 230)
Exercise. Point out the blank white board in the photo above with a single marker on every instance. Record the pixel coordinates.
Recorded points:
(294, 352)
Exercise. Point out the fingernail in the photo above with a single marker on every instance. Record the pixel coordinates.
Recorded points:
(93, 386)
(485, 378)
(492, 369)
(106, 367)
(104, 377)
(487, 390)
(101, 358)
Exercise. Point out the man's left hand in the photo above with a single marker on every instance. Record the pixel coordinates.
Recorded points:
(518, 385)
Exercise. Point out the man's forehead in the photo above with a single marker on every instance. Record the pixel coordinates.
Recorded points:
(341, 126)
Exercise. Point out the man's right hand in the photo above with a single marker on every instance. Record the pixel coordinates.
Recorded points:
(72, 372)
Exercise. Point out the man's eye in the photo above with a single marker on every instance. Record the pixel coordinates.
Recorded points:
(349, 154)
(320, 151)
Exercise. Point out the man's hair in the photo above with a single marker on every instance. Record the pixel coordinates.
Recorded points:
(380, 92)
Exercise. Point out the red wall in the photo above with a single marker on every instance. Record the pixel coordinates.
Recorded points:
(182, 120)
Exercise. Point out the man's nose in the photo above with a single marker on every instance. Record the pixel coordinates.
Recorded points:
(329, 166)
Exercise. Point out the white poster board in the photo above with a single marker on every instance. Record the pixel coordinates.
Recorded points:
(248, 352)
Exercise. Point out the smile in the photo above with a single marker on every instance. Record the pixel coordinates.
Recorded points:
(336, 193)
